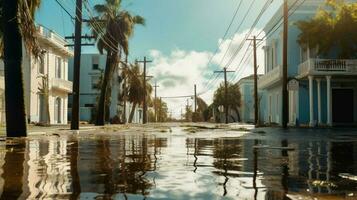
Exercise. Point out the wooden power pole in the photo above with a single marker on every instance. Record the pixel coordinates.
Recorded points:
(195, 91)
(155, 101)
(285, 100)
(76, 66)
(256, 102)
(225, 92)
(145, 107)
(77, 62)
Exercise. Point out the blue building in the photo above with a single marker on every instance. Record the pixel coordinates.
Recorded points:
(322, 89)
(246, 87)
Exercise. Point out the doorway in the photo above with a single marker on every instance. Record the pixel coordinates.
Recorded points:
(342, 105)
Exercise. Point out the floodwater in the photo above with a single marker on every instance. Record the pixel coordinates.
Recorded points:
(212, 164)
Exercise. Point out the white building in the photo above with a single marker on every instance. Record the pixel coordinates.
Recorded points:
(52, 69)
(92, 67)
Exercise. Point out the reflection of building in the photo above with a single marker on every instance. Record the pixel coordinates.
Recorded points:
(48, 169)
(326, 87)
(51, 69)
(92, 68)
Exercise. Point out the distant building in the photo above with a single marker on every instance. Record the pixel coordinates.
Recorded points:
(51, 68)
(92, 68)
(246, 87)
(322, 88)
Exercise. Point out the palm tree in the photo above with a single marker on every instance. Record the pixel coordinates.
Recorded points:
(17, 25)
(338, 23)
(135, 88)
(44, 90)
(118, 26)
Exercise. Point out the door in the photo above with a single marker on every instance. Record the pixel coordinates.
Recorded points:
(342, 105)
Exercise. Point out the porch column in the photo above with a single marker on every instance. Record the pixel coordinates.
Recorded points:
(318, 80)
(329, 105)
(311, 98)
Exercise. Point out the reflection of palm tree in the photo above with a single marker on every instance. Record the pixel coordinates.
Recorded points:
(13, 171)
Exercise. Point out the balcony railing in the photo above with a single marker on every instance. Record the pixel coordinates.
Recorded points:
(314, 66)
(61, 84)
(54, 38)
(270, 78)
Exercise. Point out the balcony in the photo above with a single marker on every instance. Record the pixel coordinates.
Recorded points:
(316, 67)
(271, 78)
(61, 85)
(54, 40)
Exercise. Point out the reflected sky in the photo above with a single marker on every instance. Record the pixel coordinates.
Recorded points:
(179, 165)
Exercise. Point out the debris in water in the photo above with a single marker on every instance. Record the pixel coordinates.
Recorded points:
(348, 176)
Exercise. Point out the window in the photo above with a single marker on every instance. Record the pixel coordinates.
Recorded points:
(58, 67)
(95, 62)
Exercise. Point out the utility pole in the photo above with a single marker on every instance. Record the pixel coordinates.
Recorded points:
(145, 92)
(194, 104)
(160, 110)
(76, 66)
(77, 62)
(155, 101)
(285, 100)
(225, 92)
(125, 89)
(195, 91)
(256, 103)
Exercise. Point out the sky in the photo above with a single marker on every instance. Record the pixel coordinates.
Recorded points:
(183, 38)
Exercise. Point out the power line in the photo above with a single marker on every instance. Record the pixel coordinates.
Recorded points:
(63, 8)
(224, 37)
(266, 5)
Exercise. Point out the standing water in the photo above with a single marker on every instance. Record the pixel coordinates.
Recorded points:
(178, 164)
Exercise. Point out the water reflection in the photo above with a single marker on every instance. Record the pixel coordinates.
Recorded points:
(141, 166)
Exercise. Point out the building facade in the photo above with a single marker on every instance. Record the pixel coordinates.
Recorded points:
(322, 88)
(46, 82)
(246, 87)
(92, 68)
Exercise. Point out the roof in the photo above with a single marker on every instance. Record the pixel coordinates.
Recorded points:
(248, 78)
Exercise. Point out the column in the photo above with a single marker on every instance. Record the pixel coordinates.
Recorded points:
(329, 105)
(311, 98)
(319, 100)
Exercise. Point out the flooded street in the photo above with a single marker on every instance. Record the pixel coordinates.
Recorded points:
(174, 163)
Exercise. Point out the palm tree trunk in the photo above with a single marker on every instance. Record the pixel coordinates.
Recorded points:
(132, 112)
(237, 112)
(125, 90)
(103, 91)
(14, 88)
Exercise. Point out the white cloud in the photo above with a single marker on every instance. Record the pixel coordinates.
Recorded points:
(177, 72)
